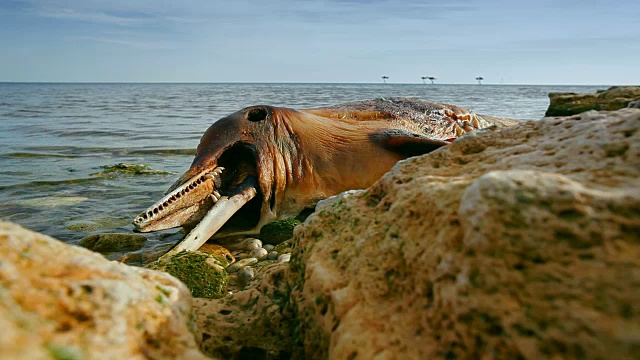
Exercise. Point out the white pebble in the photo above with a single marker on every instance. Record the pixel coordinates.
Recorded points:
(273, 255)
(240, 264)
(242, 255)
(240, 244)
(258, 253)
(253, 244)
(284, 258)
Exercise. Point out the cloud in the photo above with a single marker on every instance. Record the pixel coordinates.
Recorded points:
(137, 12)
(94, 17)
(126, 42)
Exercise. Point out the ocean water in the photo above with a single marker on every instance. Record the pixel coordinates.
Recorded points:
(55, 136)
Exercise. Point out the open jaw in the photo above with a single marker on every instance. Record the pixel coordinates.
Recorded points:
(223, 198)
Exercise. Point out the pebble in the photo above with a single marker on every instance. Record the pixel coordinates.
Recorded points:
(239, 245)
(273, 255)
(253, 244)
(240, 264)
(258, 253)
(268, 247)
(242, 255)
(284, 258)
(245, 275)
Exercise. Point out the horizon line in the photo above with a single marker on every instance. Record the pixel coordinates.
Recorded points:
(297, 83)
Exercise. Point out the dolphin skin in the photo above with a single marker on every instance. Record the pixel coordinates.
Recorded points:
(266, 163)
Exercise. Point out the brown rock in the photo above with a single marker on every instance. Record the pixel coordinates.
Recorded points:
(217, 250)
(513, 243)
(65, 302)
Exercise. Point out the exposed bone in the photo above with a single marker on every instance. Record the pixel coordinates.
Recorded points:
(219, 214)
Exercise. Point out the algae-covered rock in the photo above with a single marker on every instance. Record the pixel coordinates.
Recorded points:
(80, 225)
(203, 273)
(284, 247)
(96, 223)
(104, 243)
(278, 231)
(614, 98)
(564, 104)
(128, 169)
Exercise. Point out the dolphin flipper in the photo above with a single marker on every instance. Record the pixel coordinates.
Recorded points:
(406, 143)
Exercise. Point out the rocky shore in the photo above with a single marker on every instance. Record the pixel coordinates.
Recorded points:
(508, 243)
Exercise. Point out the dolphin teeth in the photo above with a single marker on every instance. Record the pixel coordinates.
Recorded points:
(180, 192)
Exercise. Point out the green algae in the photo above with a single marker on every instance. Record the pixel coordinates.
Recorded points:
(128, 169)
(278, 231)
(64, 352)
(202, 273)
(284, 247)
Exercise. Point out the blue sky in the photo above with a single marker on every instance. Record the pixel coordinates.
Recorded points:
(517, 42)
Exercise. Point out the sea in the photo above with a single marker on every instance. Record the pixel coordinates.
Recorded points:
(56, 137)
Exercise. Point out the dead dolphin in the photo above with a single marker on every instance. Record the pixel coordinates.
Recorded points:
(266, 163)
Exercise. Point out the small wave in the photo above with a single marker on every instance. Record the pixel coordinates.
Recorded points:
(80, 117)
(31, 111)
(37, 155)
(51, 201)
(90, 133)
(35, 184)
(80, 151)
(163, 152)
(18, 114)
(171, 116)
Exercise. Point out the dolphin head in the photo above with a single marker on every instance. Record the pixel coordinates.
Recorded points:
(247, 149)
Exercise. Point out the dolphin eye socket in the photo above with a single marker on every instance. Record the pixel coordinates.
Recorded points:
(257, 114)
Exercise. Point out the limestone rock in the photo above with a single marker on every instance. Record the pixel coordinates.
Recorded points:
(65, 302)
(616, 97)
(513, 243)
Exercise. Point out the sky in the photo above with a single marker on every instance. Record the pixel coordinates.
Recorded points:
(324, 41)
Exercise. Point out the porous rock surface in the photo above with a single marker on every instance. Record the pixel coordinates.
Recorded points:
(59, 301)
(255, 323)
(521, 242)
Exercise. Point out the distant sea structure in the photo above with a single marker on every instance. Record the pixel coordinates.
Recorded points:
(479, 78)
(384, 78)
(430, 78)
